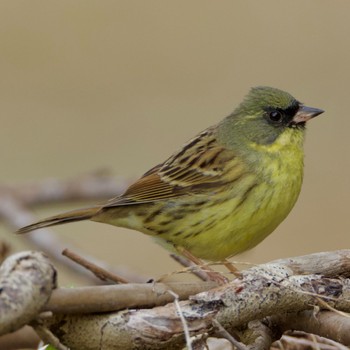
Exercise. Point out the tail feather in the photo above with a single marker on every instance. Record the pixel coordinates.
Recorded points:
(71, 216)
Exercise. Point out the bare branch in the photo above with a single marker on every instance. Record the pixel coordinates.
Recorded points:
(99, 272)
(26, 282)
(264, 290)
(335, 263)
(47, 336)
(328, 324)
(118, 297)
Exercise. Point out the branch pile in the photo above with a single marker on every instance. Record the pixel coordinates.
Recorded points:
(309, 293)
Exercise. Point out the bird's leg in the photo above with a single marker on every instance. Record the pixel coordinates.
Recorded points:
(212, 275)
(232, 268)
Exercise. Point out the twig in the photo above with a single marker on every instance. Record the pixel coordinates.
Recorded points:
(327, 324)
(182, 318)
(99, 272)
(327, 306)
(47, 336)
(314, 340)
(220, 330)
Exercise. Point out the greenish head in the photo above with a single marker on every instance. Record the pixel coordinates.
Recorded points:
(263, 116)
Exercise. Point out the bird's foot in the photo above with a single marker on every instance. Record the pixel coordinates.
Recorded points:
(211, 275)
(232, 268)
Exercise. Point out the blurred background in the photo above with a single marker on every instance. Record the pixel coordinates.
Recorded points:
(120, 85)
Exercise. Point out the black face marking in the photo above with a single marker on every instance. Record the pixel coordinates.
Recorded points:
(281, 117)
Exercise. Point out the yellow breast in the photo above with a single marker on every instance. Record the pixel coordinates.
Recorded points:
(253, 208)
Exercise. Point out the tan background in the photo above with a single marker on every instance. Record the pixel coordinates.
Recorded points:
(122, 84)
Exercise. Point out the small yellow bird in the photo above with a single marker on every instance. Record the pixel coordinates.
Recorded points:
(225, 190)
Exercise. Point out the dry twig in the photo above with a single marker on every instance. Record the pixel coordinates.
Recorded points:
(99, 272)
(183, 319)
(47, 336)
(223, 333)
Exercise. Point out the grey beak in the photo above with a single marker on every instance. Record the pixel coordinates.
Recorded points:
(306, 113)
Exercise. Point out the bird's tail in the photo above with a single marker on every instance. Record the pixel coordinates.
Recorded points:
(71, 216)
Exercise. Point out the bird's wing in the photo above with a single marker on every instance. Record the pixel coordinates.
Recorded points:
(201, 165)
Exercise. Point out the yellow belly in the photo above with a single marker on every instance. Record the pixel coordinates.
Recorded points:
(232, 225)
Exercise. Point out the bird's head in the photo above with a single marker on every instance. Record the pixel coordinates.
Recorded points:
(265, 114)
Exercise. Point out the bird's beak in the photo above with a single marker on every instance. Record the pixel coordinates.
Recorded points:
(305, 113)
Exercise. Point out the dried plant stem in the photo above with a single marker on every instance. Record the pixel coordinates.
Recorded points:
(99, 272)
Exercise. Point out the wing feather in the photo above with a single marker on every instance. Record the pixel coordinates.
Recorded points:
(199, 166)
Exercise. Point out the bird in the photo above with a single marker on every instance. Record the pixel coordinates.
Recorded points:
(224, 190)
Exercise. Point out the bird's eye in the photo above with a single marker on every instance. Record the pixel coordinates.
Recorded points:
(275, 116)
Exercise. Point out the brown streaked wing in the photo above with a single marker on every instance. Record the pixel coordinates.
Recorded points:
(196, 168)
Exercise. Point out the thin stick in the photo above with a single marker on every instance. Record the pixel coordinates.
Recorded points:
(327, 306)
(224, 334)
(99, 272)
(48, 336)
(182, 318)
